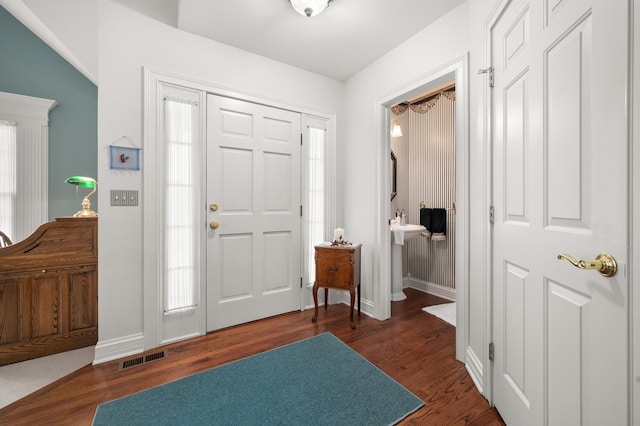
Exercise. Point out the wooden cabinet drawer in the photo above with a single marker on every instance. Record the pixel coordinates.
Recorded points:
(334, 268)
(338, 267)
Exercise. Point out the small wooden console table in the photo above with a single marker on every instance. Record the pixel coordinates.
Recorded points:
(337, 267)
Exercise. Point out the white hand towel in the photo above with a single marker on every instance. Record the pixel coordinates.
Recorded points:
(398, 234)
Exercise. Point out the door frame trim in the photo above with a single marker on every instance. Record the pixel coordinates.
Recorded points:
(634, 208)
(487, 139)
(152, 79)
(458, 69)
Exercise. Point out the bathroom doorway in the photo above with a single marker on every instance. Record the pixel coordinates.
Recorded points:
(452, 269)
(423, 147)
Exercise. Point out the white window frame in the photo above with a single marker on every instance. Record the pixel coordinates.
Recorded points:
(178, 295)
(8, 178)
(31, 116)
(308, 252)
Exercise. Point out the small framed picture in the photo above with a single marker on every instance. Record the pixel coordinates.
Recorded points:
(124, 158)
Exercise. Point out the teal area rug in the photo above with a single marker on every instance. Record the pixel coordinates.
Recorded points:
(316, 381)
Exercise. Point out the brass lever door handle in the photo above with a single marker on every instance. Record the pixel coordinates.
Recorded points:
(604, 263)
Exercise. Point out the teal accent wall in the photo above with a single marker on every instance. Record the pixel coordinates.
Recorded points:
(30, 67)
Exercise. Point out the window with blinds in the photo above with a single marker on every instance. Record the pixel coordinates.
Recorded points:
(8, 175)
(24, 163)
(180, 167)
(316, 182)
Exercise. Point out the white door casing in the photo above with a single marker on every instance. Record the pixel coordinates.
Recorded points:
(253, 176)
(156, 329)
(560, 143)
(456, 69)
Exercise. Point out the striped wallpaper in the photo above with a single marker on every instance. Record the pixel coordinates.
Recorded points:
(426, 173)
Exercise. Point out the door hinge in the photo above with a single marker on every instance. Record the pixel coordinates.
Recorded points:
(491, 351)
(300, 282)
(300, 210)
(300, 139)
(491, 215)
(490, 72)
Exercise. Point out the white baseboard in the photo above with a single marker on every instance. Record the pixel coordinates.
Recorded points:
(108, 350)
(344, 298)
(431, 288)
(474, 367)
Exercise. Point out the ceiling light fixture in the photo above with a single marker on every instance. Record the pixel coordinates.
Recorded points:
(310, 8)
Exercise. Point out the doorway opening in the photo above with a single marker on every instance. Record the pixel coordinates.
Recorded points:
(423, 203)
(456, 73)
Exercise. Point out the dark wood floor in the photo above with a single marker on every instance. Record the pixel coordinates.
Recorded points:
(414, 348)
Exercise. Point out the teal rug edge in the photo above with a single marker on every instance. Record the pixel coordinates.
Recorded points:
(358, 391)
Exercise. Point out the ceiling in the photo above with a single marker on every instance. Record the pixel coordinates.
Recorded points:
(342, 40)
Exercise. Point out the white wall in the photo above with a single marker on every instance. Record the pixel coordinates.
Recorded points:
(436, 45)
(451, 37)
(129, 41)
(58, 25)
(80, 36)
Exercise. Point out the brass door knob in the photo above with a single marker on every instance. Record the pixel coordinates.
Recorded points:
(213, 207)
(604, 263)
(214, 225)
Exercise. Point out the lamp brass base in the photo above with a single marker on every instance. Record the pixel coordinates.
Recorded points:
(86, 209)
(86, 213)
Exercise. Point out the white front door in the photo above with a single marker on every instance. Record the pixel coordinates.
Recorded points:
(253, 178)
(559, 134)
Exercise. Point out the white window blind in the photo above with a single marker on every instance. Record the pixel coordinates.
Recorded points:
(8, 175)
(25, 120)
(316, 195)
(179, 207)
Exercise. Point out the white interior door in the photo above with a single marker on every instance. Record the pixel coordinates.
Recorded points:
(559, 132)
(253, 176)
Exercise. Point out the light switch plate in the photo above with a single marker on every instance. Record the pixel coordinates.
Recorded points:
(124, 197)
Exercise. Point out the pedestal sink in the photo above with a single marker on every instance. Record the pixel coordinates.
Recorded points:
(400, 234)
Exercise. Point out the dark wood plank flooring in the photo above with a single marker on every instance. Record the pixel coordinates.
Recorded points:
(414, 348)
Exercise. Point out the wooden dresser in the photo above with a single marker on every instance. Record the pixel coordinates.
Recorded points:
(337, 267)
(49, 290)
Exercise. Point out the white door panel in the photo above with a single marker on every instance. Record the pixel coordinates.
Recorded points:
(235, 180)
(559, 186)
(567, 110)
(253, 176)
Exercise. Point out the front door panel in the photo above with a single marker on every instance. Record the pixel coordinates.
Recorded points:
(253, 177)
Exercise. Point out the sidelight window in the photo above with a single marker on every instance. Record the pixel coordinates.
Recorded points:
(180, 165)
(316, 193)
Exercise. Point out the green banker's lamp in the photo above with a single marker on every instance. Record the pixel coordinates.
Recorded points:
(85, 182)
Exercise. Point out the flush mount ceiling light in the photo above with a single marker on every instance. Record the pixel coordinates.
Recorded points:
(310, 8)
